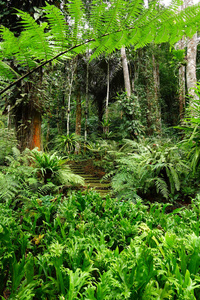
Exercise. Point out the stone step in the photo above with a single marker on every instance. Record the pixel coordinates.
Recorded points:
(99, 185)
(92, 182)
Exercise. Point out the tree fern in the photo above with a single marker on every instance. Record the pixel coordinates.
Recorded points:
(59, 29)
(77, 14)
(105, 28)
(35, 37)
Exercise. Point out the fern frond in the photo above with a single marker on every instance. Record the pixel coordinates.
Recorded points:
(108, 27)
(76, 11)
(6, 72)
(161, 186)
(9, 187)
(48, 188)
(59, 28)
(69, 178)
(96, 14)
(35, 38)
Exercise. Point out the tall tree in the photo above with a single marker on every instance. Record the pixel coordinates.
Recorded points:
(191, 62)
(127, 81)
(104, 29)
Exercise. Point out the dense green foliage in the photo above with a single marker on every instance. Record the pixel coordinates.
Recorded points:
(99, 28)
(84, 247)
(58, 240)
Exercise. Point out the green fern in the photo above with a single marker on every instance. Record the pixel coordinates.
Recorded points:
(9, 188)
(59, 29)
(104, 29)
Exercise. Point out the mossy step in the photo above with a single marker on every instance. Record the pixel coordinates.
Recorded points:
(101, 185)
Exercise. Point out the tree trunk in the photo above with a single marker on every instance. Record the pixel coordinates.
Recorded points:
(191, 64)
(73, 65)
(156, 83)
(106, 126)
(78, 115)
(125, 72)
(28, 116)
(78, 122)
(86, 105)
(181, 91)
(28, 126)
(153, 113)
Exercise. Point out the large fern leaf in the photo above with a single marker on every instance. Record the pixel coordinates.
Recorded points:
(107, 26)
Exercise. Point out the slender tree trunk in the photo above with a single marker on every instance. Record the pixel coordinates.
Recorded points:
(48, 129)
(181, 46)
(78, 121)
(78, 115)
(9, 118)
(86, 105)
(153, 113)
(57, 118)
(106, 128)
(73, 65)
(126, 72)
(191, 64)
(181, 91)
(156, 83)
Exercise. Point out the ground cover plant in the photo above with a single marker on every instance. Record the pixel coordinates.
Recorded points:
(84, 247)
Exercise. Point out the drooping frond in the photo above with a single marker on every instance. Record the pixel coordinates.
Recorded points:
(35, 38)
(58, 26)
(77, 14)
(6, 72)
(103, 28)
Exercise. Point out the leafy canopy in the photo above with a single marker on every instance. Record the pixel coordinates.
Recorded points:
(102, 28)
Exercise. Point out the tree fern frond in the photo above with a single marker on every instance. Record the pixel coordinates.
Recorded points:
(36, 37)
(133, 12)
(57, 24)
(112, 16)
(6, 72)
(76, 11)
(110, 25)
(95, 17)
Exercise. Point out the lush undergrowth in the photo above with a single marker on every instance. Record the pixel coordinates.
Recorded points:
(84, 247)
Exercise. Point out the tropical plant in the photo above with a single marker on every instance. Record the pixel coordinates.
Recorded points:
(51, 167)
(86, 247)
(66, 143)
(148, 169)
(191, 127)
(131, 121)
(123, 23)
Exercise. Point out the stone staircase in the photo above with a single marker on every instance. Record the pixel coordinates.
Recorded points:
(92, 182)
